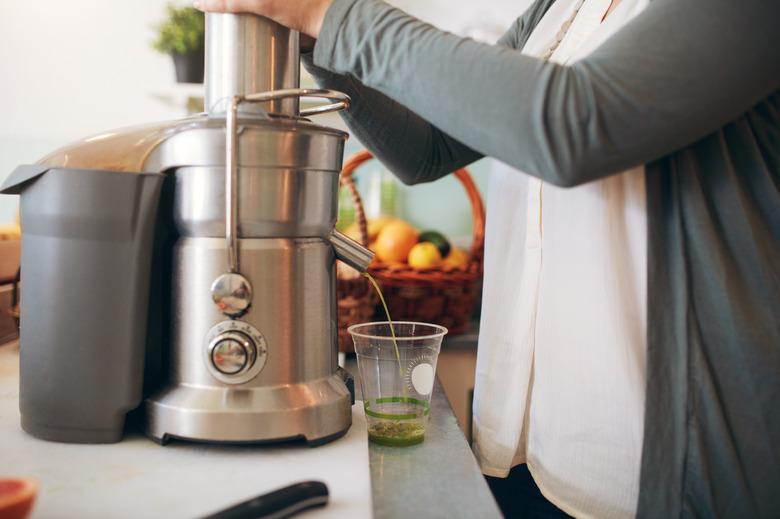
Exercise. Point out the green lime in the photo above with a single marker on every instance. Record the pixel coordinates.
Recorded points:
(437, 239)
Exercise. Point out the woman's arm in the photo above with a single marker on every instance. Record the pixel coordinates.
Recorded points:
(408, 145)
(677, 72)
(415, 150)
(412, 148)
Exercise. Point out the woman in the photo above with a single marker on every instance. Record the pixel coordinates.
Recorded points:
(630, 342)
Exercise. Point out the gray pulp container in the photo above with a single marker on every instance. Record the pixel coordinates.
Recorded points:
(87, 240)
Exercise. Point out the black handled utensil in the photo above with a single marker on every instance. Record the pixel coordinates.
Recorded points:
(280, 503)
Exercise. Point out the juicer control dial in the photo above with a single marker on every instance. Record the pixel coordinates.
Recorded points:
(235, 352)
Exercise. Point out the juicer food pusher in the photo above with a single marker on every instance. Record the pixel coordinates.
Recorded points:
(225, 285)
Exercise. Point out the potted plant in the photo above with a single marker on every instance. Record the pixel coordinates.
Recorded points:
(182, 35)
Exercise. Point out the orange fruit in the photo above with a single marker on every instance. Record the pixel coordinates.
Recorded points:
(376, 225)
(17, 497)
(395, 240)
(373, 226)
(424, 255)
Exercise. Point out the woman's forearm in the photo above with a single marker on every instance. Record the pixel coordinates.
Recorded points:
(679, 71)
(410, 147)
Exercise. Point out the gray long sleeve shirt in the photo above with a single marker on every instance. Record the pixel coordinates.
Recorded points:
(691, 88)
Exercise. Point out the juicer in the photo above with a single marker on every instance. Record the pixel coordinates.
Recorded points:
(224, 320)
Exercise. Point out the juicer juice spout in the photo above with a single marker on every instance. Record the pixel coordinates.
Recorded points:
(351, 252)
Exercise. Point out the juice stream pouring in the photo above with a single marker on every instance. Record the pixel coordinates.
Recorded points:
(389, 321)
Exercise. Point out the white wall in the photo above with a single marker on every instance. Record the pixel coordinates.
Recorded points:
(72, 68)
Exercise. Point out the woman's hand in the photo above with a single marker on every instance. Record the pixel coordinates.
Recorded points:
(301, 15)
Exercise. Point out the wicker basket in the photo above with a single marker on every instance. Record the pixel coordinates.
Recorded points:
(357, 299)
(442, 295)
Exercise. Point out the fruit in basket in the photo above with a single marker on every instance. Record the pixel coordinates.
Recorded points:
(438, 240)
(373, 225)
(424, 256)
(457, 259)
(17, 497)
(395, 240)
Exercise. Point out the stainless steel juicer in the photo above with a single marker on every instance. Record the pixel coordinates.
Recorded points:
(245, 348)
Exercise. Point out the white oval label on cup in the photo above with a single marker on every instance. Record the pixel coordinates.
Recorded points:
(422, 378)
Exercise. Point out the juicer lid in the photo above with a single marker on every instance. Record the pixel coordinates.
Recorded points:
(125, 149)
(157, 147)
(22, 176)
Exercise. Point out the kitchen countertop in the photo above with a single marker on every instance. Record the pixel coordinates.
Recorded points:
(136, 478)
(438, 478)
(464, 341)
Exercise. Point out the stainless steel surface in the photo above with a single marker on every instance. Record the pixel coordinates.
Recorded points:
(127, 149)
(231, 157)
(315, 410)
(200, 140)
(232, 294)
(295, 312)
(351, 252)
(247, 54)
(274, 221)
(274, 197)
(231, 355)
(231, 186)
(247, 348)
(284, 203)
(288, 176)
(441, 474)
(231, 154)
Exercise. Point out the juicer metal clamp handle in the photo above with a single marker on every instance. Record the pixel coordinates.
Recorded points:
(340, 100)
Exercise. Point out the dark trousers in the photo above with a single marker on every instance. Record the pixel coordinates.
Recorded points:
(519, 497)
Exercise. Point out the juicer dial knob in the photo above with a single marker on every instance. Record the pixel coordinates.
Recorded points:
(235, 352)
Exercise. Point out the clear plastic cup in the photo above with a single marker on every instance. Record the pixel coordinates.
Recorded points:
(397, 384)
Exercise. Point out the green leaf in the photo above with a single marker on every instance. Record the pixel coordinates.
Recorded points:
(182, 32)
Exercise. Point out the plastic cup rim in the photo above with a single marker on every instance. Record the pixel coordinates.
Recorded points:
(442, 331)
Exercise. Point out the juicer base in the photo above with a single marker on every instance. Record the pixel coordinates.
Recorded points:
(106, 431)
(317, 411)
